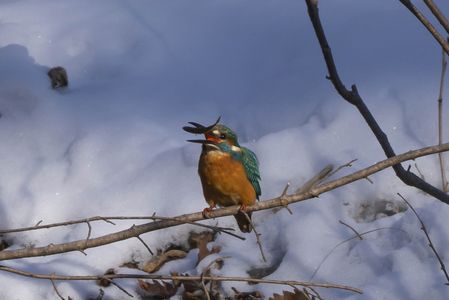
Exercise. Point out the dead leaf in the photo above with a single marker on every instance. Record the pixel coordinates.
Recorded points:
(159, 260)
(287, 295)
(105, 282)
(195, 237)
(157, 288)
(246, 295)
(3, 245)
(203, 250)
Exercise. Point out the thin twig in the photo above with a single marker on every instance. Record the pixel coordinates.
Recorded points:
(353, 97)
(419, 172)
(315, 180)
(259, 243)
(213, 228)
(444, 181)
(352, 228)
(180, 278)
(423, 228)
(56, 289)
(347, 240)
(221, 212)
(346, 165)
(119, 287)
(145, 244)
(224, 230)
(424, 21)
(284, 193)
(88, 232)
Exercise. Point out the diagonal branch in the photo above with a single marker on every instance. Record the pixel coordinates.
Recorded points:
(438, 14)
(138, 230)
(353, 97)
(419, 15)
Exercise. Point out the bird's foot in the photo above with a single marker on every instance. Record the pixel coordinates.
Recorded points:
(207, 211)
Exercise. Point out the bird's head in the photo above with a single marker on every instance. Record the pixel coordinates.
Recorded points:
(217, 136)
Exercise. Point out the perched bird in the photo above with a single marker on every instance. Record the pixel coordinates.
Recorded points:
(229, 172)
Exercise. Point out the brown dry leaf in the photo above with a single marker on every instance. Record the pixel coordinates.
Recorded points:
(203, 250)
(246, 295)
(287, 295)
(130, 264)
(159, 260)
(105, 282)
(157, 288)
(194, 238)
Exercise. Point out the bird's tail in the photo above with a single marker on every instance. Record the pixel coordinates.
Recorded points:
(243, 222)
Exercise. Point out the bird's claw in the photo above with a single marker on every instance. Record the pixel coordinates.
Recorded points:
(207, 211)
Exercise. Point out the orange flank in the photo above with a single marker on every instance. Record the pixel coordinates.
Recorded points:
(224, 180)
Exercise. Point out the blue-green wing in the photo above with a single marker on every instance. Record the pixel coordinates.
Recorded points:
(251, 165)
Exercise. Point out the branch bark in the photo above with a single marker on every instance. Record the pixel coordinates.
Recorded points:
(281, 201)
(437, 36)
(178, 278)
(438, 14)
(352, 96)
(440, 122)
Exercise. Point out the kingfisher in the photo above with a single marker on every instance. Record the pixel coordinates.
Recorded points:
(229, 173)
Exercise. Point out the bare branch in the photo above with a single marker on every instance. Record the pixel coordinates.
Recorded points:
(438, 14)
(437, 36)
(352, 96)
(221, 212)
(180, 278)
(423, 228)
(107, 219)
(440, 121)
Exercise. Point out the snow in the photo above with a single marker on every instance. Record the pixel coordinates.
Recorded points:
(111, 143)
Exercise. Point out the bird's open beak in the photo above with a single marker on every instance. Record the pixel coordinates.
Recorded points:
(199, 129)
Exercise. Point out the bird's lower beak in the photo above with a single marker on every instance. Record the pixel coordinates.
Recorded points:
(200, 141)
(208, 143)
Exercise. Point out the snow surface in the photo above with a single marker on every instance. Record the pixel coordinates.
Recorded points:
(112, 144)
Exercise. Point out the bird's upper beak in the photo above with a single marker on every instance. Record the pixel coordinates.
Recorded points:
(210, 138)
(200, 129)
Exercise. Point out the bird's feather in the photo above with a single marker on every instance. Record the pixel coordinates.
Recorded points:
(251, 164)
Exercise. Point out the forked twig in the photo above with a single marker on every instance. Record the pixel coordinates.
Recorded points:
(353, 97)
(423, 228)
(426, 23)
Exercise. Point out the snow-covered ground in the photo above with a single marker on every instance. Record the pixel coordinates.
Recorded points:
(112, 143)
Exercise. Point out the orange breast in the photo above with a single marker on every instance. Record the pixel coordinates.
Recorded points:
(224, 180)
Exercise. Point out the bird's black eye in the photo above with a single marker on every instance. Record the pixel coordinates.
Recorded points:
(222, 136)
